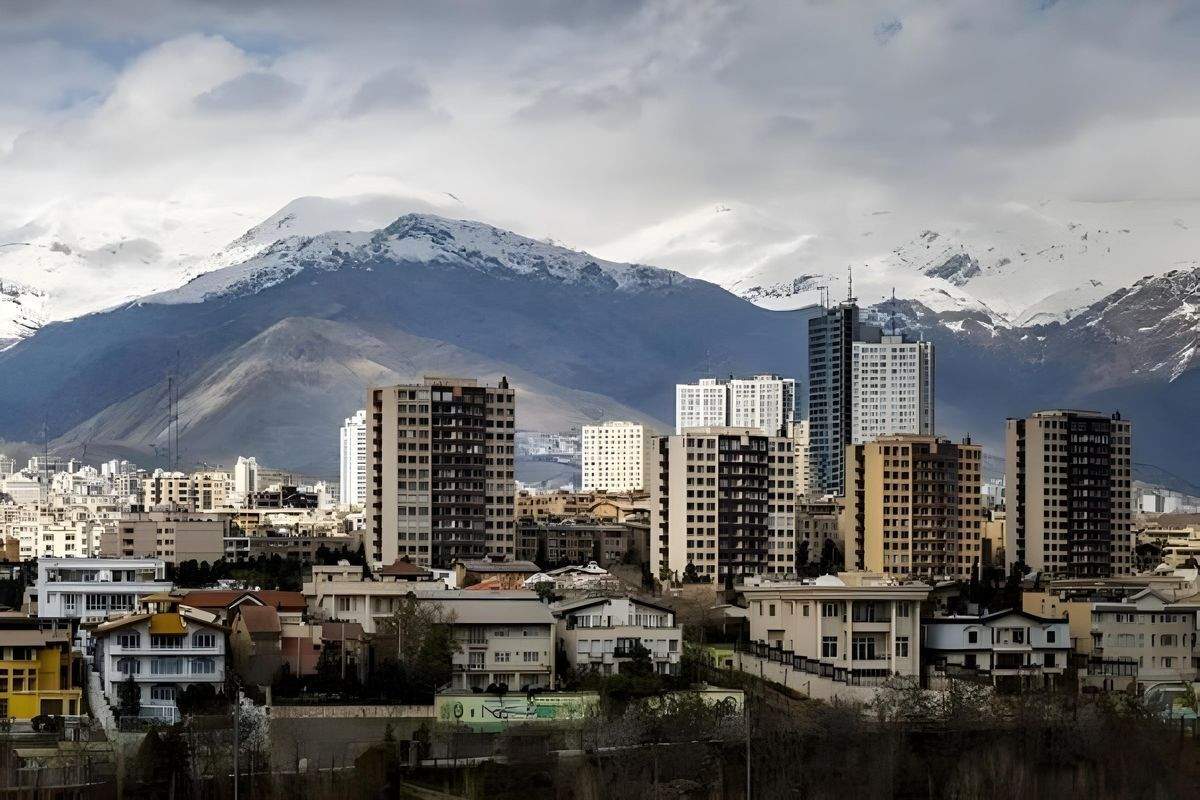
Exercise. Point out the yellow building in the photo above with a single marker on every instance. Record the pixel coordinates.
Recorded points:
(35, 669)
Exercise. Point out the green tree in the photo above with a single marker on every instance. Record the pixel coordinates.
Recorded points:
(129, 697)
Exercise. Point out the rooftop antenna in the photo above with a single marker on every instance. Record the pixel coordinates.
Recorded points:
(893, 311)
(44, 494)
(850, 283)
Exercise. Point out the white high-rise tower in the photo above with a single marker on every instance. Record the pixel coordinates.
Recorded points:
(353, 488)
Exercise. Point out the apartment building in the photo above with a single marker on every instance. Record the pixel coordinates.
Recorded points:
(850, 627)
(245, 477)
(1143, 641)
(612, 506)
(35, 668)
(816, 524)
(88, 589)
(504, 637)
(171, 536)
(913, 507)
(337, 593)
(764, 402)
(165, 647)
(1068, 502)
(831, 338)
(174, 489)
(603, 633)
(891, 388)
(1006, 646)
(614, 456)
(440, 467)
(713, 504)
(352, 439)
(578, 540)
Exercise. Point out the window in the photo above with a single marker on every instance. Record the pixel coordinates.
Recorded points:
(70, 602)
(203, 666)
(1048, 660)
(972, 637)
(1051, 636)
(901, 647)
(130, 640)
(530, 656)
(1168, 661)
(806, 609)
(165, 641)
(1018, 635)
(772, 610)
(129, 666)
(204, 640)
(345, 604)
(166, 666)
(903, 608)
(829, 646)
(163, 694)
(863, 648)
(829, 609)
(501, 657)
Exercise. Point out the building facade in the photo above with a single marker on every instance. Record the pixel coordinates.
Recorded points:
(765, 402)
(716, 493)
(913, 507)
(35, 668)
(88, 589)
(603, 633)
(440, 467)
(614, 457)
(891, 388)
(1068, 497)
(831, 339)
(173, 537)
(1015, 645)
(352, 437)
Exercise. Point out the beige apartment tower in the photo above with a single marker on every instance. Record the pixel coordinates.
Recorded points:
(1068, 503)
(723, 501)
(440, 483)
(913, 507)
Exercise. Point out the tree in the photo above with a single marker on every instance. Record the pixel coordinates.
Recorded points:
(129, 697)
(690, 575)
(420, 635)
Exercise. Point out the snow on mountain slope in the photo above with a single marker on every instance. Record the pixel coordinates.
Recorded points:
(1020, 263)
(86, 255)
(423, 238)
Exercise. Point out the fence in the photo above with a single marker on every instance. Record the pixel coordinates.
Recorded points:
(812, 666)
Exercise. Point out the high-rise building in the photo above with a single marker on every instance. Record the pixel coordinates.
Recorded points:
(614, 456)
(891, 388)
(913, 507)
(830, 350)
(765, 402)
(353, 448)
(1068, 501)
(723, 502)
(440, 471)
(245, 477)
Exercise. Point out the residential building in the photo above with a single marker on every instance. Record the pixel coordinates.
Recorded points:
(614, 457)
(504, 637)
(340, 593)
(245, 477)
(226, 603)
(213, 490)
(853, 627)
(603, 633)
(165, 647)
(440, 467)
(615, 507)
(1010, 646)
(1143, 641)
(817, 535)
(764, 402)
(88, 589)
(352, 437)
(831, 338)
(913, 507)
(891, 388)
(716, 492)
(35, 668)
(577, 540)
(1068, 505)
(508, 573)
(175, 490)
(170, 535)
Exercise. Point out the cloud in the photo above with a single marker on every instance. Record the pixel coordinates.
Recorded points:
(393, 90)
(251, 91)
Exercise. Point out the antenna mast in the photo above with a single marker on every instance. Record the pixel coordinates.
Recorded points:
(893, 311)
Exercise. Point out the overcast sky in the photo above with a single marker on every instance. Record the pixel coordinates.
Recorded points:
(587, 121)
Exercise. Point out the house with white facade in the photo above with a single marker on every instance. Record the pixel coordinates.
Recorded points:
(504, 637)
(165, 647)
(89, 589)
(1003, 645)
(856, 628)
(603, 633)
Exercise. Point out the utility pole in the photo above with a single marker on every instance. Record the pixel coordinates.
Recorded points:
(746, 714)
(237, 741)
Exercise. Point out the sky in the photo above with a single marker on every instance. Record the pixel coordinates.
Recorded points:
(605, 124)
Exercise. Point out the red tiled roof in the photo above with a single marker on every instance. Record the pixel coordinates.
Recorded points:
(260, 619)
(227, 598)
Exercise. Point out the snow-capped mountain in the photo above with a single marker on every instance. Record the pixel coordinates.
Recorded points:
(83, 256)
(1020, 264)
(422, 238)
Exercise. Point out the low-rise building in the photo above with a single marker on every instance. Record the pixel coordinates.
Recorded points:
(1143, 641)
(504, 637)
(1004, 646)
(165, 647)
(170, 535)
(35, 668)
(505, 572)
(604, 633)
(341, 593)
(854, 627)
(89, 589)
(578, 540)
